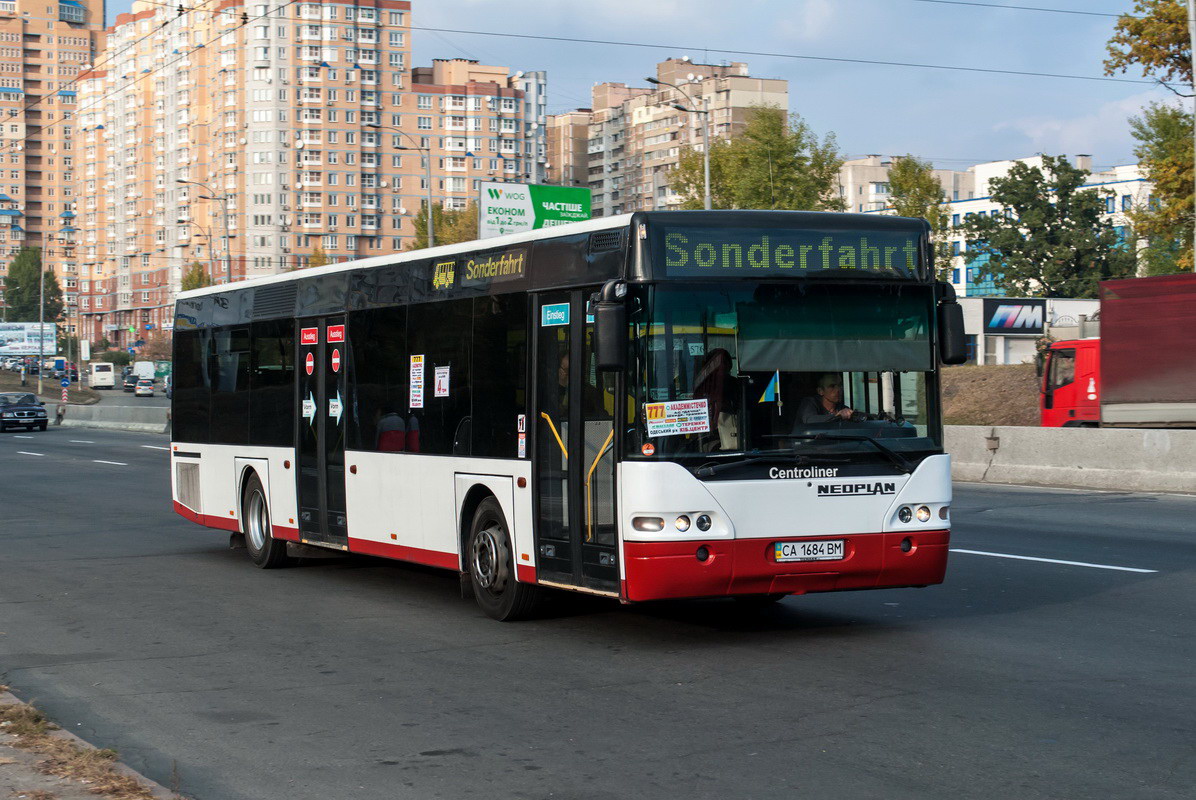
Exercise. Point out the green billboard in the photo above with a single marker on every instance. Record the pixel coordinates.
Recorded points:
(516, 207)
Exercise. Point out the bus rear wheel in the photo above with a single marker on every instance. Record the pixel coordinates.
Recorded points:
(265, 551)
(491, 565)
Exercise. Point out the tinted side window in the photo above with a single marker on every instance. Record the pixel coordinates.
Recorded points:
(378, 378)
(1063, 368)
(441, 332)
(229, 420)
(189, 406)
(499, 373)
(272, 380)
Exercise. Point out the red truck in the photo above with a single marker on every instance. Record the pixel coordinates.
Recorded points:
(1141, 372)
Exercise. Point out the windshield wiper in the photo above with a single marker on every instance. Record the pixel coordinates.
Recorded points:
(901, 462)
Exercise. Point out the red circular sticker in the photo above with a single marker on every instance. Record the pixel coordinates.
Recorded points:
(648, 449)
(310, 363)
(336, 360)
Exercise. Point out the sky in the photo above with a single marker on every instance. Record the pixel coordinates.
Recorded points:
(952, 117)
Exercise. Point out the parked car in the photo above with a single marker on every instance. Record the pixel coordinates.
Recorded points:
(144, 388)
(130, 382)
(167, 381)
(21, 410)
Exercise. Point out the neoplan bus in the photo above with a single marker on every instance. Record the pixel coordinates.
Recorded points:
(656, 405)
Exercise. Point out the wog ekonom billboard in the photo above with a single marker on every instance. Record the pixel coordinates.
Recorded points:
(517, 207)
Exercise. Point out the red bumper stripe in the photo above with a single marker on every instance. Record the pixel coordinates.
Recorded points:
(658, 570)
(432, 558)
(207, 520)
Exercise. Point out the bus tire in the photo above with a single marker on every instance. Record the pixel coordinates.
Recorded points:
(490, 563)
(264, 550)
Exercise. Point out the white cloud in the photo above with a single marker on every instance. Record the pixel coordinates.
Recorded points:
(1103, 132)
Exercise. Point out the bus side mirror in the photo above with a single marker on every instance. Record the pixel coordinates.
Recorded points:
(610, 326)
(953, 348)
(610, 335)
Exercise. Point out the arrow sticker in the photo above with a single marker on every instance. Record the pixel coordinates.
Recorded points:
(309, 408)
(335, 408)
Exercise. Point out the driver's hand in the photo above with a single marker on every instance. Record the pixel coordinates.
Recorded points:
(844, 413)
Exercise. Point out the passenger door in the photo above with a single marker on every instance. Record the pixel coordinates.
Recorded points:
(1058, 394)
(322, 419)
(575, 409)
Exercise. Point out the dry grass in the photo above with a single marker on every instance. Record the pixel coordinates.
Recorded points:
(35, 794)
(990, 395)
(64, 758)
(51, 390)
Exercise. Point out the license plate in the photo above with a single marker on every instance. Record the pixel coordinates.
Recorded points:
(825, 550)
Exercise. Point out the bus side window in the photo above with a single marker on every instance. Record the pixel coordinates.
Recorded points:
(379, 372)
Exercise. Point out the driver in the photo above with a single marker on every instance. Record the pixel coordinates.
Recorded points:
(827, 405)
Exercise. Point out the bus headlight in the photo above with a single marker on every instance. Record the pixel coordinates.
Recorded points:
(704, 522)
(648, 524)
(923, 514)
(905, 514)
(682, 523)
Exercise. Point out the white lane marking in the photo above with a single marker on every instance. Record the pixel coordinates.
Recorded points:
(113, 463)
(27, 453)
(80, 441)
(15, 436)
(1052, 561)
(154, 447)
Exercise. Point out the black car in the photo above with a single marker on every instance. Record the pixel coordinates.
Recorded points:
(130, 382)
(21, 410)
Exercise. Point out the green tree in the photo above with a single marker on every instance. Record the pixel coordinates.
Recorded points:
(452, 226)
(776, 162)
(1052, 240)
(1164, 151)
(118, 357)
(914, 191)
(196, 277)
(1155, 38)
(21, 288)
(318, 257)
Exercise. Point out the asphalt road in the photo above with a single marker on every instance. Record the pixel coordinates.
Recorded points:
(360, 678)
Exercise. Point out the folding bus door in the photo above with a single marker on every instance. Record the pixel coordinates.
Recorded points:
(322, 418)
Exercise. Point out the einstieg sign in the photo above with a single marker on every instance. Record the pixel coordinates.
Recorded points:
(516, 207)
(21, 338)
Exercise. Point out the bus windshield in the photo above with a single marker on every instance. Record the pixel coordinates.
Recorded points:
(808, 371)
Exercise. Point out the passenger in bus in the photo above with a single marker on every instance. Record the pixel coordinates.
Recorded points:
(827, 405)
(391, 431)
(715, 384)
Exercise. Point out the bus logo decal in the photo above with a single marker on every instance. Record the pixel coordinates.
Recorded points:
(856, 489)
(442, 276)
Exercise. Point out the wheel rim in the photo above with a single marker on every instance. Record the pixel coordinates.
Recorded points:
(487, 560)
(257, 520)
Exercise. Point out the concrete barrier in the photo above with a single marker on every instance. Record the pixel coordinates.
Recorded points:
(1085, 458)
(151, 419)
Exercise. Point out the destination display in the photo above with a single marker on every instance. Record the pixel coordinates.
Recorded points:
(772, 252)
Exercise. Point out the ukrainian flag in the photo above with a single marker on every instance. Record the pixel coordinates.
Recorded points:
(771, 390)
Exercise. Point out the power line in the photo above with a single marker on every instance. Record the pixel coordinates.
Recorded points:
(1025, 8)
(798, 56)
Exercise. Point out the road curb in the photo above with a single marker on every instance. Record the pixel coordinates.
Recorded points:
(154, 788)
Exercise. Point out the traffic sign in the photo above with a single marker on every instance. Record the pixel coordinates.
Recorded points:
(336, 360)
(309, 363)
(133, 350)
(66, 382)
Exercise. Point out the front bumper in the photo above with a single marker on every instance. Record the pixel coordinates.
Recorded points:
(660, 570)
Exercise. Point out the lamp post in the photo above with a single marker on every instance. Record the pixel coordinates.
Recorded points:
(705, 114)
(207, 234)
(428, 169)
(223, 200)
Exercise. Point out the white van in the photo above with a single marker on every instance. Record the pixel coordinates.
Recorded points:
(103, 376)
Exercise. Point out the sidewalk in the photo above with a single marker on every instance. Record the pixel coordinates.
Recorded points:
(39, 761)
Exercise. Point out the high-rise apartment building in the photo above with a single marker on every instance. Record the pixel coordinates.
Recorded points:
(568, 143)
(636, 134)
(248, 137)
(43, 47)
(864, 183)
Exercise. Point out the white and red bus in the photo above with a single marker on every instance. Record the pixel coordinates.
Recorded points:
(656, 405)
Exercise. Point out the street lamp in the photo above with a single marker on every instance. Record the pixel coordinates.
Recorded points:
(223, 200)
(428, 155)
(705, 114)
(207, 234)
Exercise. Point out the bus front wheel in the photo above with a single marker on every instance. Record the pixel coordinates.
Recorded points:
(266, 551)
(491, 565)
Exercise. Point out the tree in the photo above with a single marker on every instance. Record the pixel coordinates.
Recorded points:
(318, 257)
(1164, 151)
(21, 288)
(776, 162)
(1155, 38)
(118, 357)
(452, 226)
(156, 348)
(196, 277)
(914, 191)
(1052, 240)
